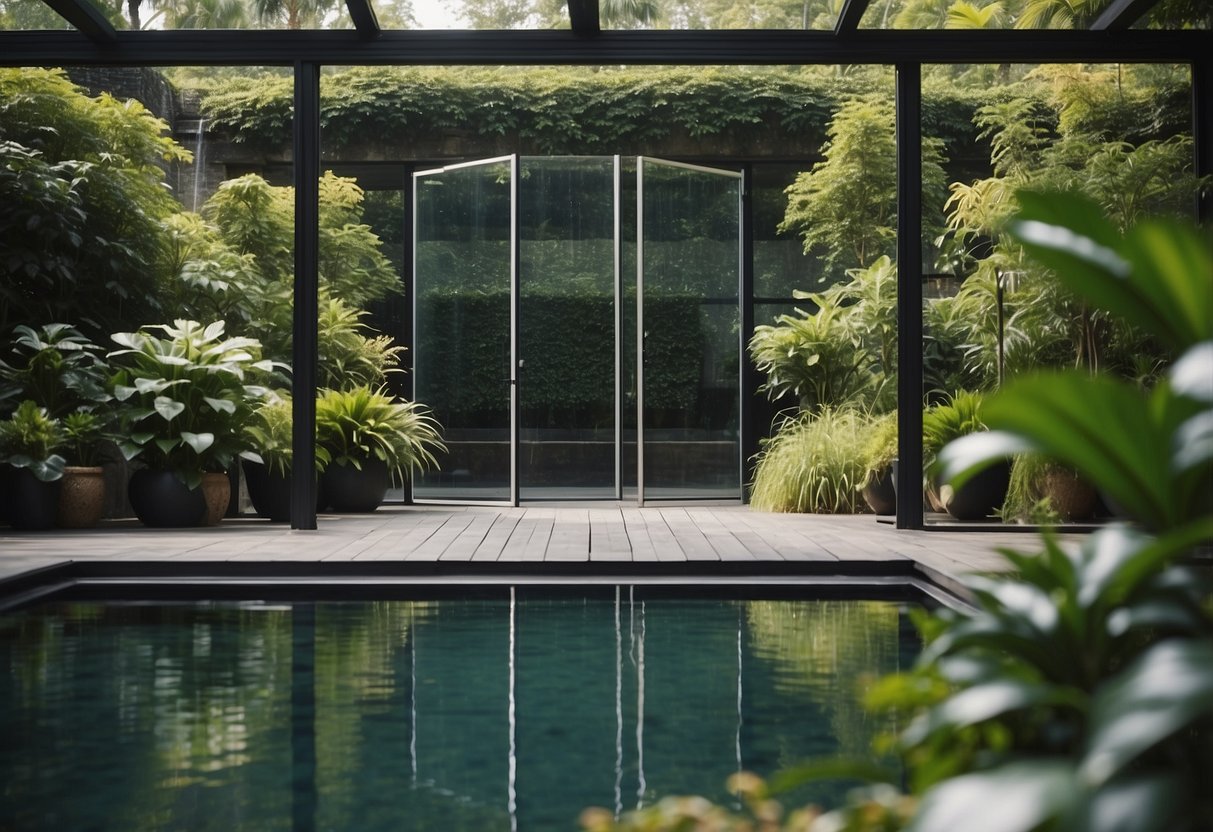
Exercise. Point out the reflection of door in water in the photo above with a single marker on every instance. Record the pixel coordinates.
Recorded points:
(576, 413)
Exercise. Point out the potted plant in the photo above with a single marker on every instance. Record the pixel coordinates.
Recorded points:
(184, 400)
(369, 439)
(1044, 491)
(82, 494)
(29, 443)
(945, 422)
(269, 433)
(880, 455)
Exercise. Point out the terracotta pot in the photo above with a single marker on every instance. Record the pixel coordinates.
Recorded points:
(1071, 497)
(81, 497)
(217, 492)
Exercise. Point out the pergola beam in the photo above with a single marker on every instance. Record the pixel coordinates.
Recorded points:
(851, 14)
(565, 48)
(1121, 14)
(365, 21)
(86, 18)
(583, 17)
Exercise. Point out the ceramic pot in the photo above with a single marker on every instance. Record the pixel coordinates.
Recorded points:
(81, 497)
(32, 503)
(981, 496)
(879, 493)
(217, 492)
(348, 489)
(270, 491)
(161, 500)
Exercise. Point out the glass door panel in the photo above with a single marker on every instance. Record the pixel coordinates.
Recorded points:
(566, 375)
(688, 275)
(464, 301)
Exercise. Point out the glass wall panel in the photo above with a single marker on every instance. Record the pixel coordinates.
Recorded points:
(462, 327)
(689, 311)
(566, 379)
(1118, 135)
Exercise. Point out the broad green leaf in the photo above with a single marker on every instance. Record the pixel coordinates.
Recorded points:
(1144, 803)
(166, 445)
(1103, 428)
(130, 450)
(962, 458)
(123, 392)
(1016, 797)
(987, 701)
(1172, 268)
(1165, 689)
(130, 340)
(1192, 374)
(198, 441)
(220, 405)
(168, 408)
(151, 385)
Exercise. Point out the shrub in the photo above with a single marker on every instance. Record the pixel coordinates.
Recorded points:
(814, 463)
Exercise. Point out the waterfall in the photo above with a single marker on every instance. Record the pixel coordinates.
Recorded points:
(199, 161)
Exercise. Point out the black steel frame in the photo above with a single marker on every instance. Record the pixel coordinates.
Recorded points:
(97, 43)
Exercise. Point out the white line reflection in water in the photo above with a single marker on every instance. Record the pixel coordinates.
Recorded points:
(618, 710)
(512, 803)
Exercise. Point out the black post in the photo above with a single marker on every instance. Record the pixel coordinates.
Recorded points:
(307, 281)
(909, 295)
(1202, 133)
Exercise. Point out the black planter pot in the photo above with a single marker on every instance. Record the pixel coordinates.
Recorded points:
(269, 490)
(880, 494)
(32, 503)
(348, 489)
(163, 501)
(981, 496)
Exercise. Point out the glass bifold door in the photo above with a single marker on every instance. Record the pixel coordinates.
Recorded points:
(577, 329)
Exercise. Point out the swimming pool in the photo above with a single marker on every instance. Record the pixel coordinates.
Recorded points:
(511, 710)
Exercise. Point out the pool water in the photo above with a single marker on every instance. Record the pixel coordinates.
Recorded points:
(509, 713)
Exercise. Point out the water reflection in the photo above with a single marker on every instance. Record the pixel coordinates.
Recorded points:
(415, 714)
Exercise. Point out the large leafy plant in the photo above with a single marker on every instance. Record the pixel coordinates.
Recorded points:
(1080, 694)
(31, 439)
(186, 395)
(55, 366)
(363, 423)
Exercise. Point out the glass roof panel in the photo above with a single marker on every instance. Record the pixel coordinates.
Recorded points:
(1178, 14)
(719, 14)
(236, 14)
(1024, 14)
(29, 15)
(471, 14)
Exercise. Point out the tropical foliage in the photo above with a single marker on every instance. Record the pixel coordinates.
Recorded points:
(815, 463)
(185, 397)
(364, 423)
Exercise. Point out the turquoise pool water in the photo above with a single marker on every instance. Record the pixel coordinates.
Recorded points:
(490, 714)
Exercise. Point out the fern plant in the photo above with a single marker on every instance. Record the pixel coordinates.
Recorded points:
(364, 423)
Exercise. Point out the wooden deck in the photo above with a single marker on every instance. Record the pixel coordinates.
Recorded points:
(543, 536)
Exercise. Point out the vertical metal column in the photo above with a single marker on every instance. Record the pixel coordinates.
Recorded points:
(909, 295)
(618, 256)
(747, 428)
(1202, 133)
(515, 311)
(640, 330)
(306, 301)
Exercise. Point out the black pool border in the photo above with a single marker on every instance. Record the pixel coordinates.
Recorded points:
(148, 581)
